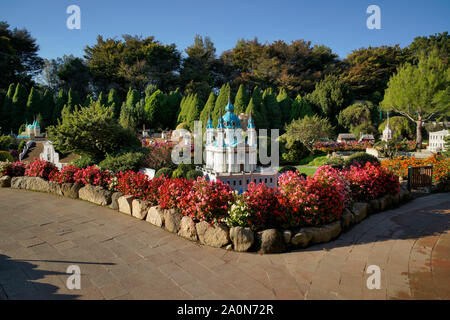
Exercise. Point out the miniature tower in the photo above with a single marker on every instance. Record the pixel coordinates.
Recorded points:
(387, 132)
(251, 131)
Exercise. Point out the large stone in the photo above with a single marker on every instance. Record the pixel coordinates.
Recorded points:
(214, 236)
(346, 219)
(5, 182)
(287, 234)
(95, 194)
(242, 238)
(187, 229)
(172, 220)
(114, 200)
(140, 208)
(124, 203)
(71, 190)
(155, 216)
(374, 206)
(359, 211)
(385, 203)
(30, 183)
(18, 182)
(271, 241)
(301, 239)
(55, 188)
(324, 233)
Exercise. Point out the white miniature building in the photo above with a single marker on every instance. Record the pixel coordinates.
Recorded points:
(436, 141)
(346, 137)
(31, 131)
(231, 159)
(367, 137)
(49, 154)
(387, 132)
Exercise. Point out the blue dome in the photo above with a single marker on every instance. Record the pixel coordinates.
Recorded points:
(251, 124)
(230, 120)
(220, 124)
(209, 124)
(229, 107)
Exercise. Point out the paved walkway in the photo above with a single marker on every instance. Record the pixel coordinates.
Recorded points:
(124, 258)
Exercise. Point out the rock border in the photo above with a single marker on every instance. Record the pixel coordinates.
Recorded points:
(219, 236)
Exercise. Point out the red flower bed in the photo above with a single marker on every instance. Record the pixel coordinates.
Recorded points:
(172, 192)
(39, 168)
(207, 201)
(371, 182)
(15, 169)
(66, 175)
(264, 206)
(93, 175)
(139, 185)
(315, 200)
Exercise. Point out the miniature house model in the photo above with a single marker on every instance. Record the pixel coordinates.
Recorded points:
(231, 158)
(436, 141)
(31, 131)
(346, 137)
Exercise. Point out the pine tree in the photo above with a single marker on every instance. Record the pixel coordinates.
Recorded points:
(89, 100)
(47, 109)
(131, 109)
(273, 114)
(5, 116)
(257, 109)
(114, 102)
(285, 103)
(19, 106)
(300, 108)
(154, 110)
(61, 100)
(207, 109)
(241, 101)
(101, 99)
(221, 102)
(33, 105)
(173, 107)
(184, 108)
(72, 100)
(193, 112)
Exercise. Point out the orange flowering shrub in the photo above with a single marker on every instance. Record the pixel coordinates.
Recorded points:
(399, 165)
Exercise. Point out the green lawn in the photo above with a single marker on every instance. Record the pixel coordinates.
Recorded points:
(306, 170)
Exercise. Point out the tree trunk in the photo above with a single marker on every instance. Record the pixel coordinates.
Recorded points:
(419, 134)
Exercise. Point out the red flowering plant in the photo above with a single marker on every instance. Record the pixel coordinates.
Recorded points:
(66, 175)
(207, 201)
(39, 168)
(173, 192)
(139, 185)
(371, 181)
(315, 200)
(14, 169)
(263, 206)
(93, 175)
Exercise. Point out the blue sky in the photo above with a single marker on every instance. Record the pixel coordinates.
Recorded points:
(340, 25)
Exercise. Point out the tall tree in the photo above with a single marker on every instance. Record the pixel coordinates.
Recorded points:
(33, 106)
(7, 109)
(113, 101)
(194, 112)
(155, 106)
(207, 109)
(300, 108)
(19, 61)
(19, 106)
(47, 108)
(257, 109)
(241, 101)
(73, 99)
(285, 103)
(61, 100)
(173, 107)
(273, 109)
(129, 115)
(221, 102)
(420, 92)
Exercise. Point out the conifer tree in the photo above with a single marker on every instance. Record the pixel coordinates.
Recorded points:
(241, 101)
(114, 102)
(173, 107)
(154, 110)
(193, 112)
(285, 103)
(129, 113)
(47, 108)
(7, 108)
(273, 115)
(61, 100)
(72, 100)
(221, 102)
(257, 109)
(19, 106)
(207, 109)
(300, 108)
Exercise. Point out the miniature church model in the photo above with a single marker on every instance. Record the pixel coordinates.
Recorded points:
(31, 131)
(387, 132)
(230, 157)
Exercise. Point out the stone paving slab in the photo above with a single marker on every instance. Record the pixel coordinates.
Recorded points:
(124, 258)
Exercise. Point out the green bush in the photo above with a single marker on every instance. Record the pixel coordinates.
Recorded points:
(122, 162)
(335, 162)
(21, 145)
(360, 158)
(164, 171)
(5, 156)
(178, 173)
(84, 162)
(5, 141)
(193, 174)
(287, 168)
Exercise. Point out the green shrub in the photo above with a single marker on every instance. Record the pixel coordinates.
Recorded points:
(5, 156)
(122, 162)
(335, 162)
(164, 171)
(21, 145)
(193, 174)
(5, 141)
(178, 173)
(360, 158)
(84, 162)
(287, 168)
